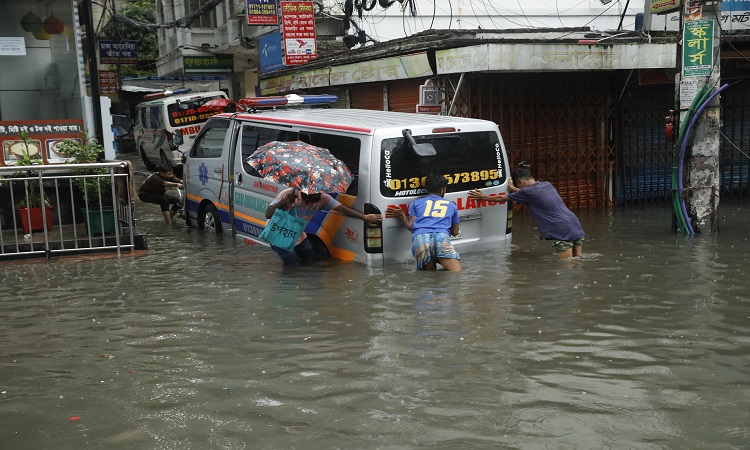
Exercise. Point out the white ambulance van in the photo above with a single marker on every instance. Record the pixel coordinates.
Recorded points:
(157, 119)
(385, 152)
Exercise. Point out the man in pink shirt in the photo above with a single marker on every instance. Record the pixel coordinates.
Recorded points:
(306, 205)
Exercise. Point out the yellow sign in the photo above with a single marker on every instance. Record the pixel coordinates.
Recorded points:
(664, 6)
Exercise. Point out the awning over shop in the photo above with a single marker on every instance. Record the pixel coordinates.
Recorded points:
(481, 51)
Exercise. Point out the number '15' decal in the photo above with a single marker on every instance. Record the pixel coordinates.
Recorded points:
(437, 208)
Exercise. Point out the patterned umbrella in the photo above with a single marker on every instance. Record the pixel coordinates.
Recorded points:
(300, 165)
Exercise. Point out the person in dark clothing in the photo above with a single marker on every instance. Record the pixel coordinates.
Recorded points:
(553, 219)
(154, 190)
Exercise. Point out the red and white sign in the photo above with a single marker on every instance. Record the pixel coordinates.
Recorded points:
(108, 83)
(423, 109)
(298, 32)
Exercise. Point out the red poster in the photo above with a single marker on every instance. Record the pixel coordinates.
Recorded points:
(298, 32)
(108, 84)
(262, 12)
(43, 138)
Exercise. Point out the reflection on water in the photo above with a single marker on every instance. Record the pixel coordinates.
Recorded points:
(204, 343)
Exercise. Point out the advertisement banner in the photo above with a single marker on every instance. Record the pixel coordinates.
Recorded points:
(270, 53)
(118, 52)
(698, 48)
(298, 32)
(44, 136)
(262, 12)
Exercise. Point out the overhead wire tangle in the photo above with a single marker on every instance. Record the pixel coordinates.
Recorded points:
(524, 13)
(586, 24)
(557, 9)
(486, 12)
(505, 12)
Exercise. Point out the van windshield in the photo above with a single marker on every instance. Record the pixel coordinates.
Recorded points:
(190, 112)
(467, 160)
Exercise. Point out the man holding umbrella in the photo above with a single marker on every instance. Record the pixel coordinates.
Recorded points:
(306, 205)
(309, 171)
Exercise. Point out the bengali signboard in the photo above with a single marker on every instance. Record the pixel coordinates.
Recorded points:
(663, 6)
(108, 83)
(262, 12)
(735, 15)
(208, 64)
(698, 48)
(298, 32)
(118, 52)
(44, 136)
(385, 69)
(12, 46)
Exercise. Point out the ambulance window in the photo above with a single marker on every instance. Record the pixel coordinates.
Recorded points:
(154, 121)
(467, 160)
(345, 148)
(210, 141)
(254, 136)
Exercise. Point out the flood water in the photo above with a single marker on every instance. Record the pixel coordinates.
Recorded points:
(203, 343)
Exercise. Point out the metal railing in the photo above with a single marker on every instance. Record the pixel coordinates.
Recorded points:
(77, 208)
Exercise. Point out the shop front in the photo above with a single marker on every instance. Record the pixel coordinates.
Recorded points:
(42, 84)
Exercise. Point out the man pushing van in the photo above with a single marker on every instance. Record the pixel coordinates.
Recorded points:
(305, 206)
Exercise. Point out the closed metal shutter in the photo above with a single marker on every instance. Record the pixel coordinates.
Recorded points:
(735, 142)
(560, 123)
(403, 95)
(645, 156)
(367, 96)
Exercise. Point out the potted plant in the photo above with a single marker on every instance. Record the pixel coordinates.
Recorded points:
(35, 209)
(96, 191)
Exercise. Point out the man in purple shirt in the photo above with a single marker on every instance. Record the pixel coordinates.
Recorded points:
(553, 219)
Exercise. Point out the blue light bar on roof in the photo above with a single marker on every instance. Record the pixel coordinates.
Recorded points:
(287, 100)
(163, 94)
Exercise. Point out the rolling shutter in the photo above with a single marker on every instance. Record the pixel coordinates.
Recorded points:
(403, 95)
(366, 96)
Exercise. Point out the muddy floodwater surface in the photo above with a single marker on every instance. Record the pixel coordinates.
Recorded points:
(205, 343)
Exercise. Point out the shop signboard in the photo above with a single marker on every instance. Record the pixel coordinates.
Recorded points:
(298, 32)
(108, 83)
(262, 12)
(118, 52)
(698, 48)
(208, 64)
(44, 136)
(384, 69)
(270, 52)
(735, 15)
(663, 6)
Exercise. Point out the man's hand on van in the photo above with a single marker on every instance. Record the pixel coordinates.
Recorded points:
(372, 218)
(477, 195)
(394, 212)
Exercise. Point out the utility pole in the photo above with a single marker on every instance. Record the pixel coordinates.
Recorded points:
(700, 77)
(93, 70)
